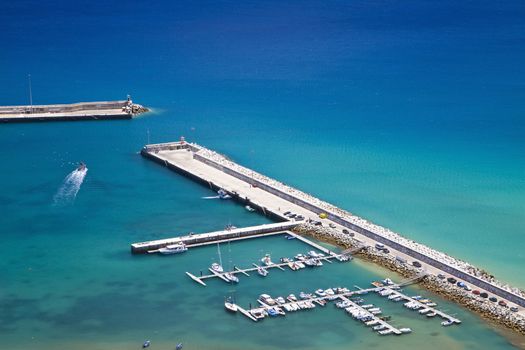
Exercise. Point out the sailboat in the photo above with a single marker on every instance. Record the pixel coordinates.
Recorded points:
(229, 304)
(218, 267)
(228, 275)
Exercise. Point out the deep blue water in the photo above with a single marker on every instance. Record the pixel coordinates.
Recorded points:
(409, 114)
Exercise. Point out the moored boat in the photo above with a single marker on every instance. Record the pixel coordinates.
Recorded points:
(262, 271)
(229, 305)
(173, 249)
(267, 260)
(217, 267)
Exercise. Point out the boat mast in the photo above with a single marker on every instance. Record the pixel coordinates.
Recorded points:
(30, 93)
(219, 251)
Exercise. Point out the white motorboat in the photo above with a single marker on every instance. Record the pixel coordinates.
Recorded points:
(291, 297)
(447, 323)
(320, 293)
(405, 330)
(173, 249)
(250, 209)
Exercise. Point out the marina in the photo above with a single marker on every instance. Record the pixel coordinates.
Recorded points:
(281, 266)
(350, 301)
(281, 202)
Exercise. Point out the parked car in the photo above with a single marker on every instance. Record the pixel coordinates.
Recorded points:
(441, 276)
(332, 225)
(346, 232)
(416, 263)
(386, 251)
(513, 309)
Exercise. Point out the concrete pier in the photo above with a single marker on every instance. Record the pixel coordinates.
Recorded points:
(274, 198)
(105, 110)
(201, 239)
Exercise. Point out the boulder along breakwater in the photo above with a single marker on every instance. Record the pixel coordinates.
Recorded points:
(492, 311)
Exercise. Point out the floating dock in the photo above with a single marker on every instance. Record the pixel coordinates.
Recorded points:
(273, 199)
(105, 110)
(236, 270)
(371, 319)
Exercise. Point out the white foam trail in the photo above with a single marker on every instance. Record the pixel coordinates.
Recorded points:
(68, 190)
(211, 197)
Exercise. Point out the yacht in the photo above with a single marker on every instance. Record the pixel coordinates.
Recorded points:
(173, 249)
(266, 299)
(266, 260)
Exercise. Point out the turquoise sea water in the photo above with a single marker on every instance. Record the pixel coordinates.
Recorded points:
(408, 115)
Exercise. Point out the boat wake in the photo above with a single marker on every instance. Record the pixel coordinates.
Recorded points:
(212, 197)
(67, 192)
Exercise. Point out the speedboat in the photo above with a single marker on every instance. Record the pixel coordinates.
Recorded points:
(173, 249)
(300, 264)
(230, 306)
(431, 314)
(310, 262)
(223, 194)
(300, 257)
(258, 313)
(231, 277)
(320, 293)
(217, 268)
(250, 209)
(447, 323)
(81, 166)
(146, 344)
(284, 260)
(266, 299)
(304, 295)
(280, 300)
(405, 330)
(272, 312)
(291, 297)
(262, 271)
(267, 260)
(317, 262)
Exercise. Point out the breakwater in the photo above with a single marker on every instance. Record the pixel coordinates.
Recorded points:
(493, 311)
(216, 170)
(124, 109)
